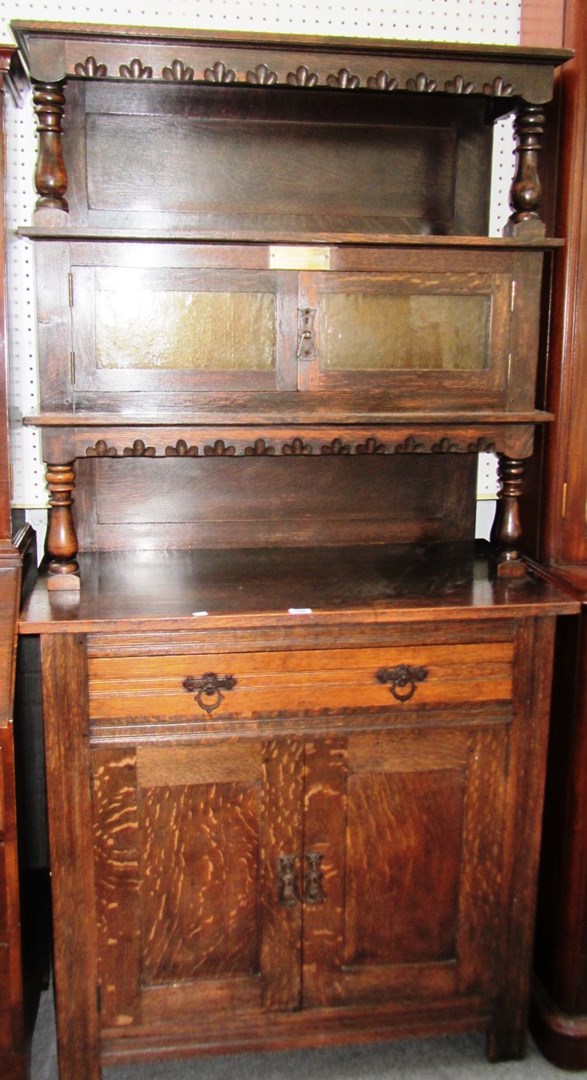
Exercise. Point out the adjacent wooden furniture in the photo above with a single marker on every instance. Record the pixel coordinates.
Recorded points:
(13, 1025)
(560, 999)
(286, 700)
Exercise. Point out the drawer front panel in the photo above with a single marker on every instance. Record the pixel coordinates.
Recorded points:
(303, 681)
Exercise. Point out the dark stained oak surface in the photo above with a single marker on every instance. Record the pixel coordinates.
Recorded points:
(123, 591)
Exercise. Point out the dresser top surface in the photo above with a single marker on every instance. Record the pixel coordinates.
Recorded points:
(286, 586)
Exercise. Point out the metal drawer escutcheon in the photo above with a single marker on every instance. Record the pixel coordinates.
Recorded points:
(209, 686)
(403, 679)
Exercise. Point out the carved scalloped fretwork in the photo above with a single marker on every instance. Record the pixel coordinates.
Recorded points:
(90, 68)
(296, 448)
(482, 446)
(445, 446)
(337, 446)
(181, 449)
(139, 449)
(259, 449)
(262, 76)
(459, 85)
(101, 449)
(382, 81)
(344, 80)
(219, 73)
(370, 446)
(219, 449)
(178, 72)
(421, 84)
(136, 70)
(410, 446)
(498, 88)
(302, 76)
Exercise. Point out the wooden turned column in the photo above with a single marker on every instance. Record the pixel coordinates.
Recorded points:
(526, 190)
(50, 172)
(506, 533)
(61, 542)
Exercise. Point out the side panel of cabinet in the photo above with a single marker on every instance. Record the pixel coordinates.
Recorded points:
(13, 1051)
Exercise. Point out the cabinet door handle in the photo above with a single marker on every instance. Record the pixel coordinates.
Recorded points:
(403, 679)
(286, 880)
(209, 688)
(313, 890)
(306, 339)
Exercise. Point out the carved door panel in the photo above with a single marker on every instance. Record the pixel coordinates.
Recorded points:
(403, 862)
(196, 850)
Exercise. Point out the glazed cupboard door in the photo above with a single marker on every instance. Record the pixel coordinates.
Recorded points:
(404, 849)
(196, 903)
(452, 328)
(162, 320)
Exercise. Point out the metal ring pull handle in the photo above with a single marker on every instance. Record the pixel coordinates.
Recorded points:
(403, 679)
(209, 687)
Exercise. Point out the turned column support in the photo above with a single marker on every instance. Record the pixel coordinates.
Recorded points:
(50, 172)
(61, 542)
(526, 190)
(506, 533)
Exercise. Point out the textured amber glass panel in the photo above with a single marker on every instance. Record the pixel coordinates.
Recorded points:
(185, 331)
(361, 332)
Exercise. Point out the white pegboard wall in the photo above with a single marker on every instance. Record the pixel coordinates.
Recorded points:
(488, 21)
(483, 21)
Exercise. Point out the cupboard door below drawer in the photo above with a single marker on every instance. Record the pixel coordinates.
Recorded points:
(189, 843)
(408, 829)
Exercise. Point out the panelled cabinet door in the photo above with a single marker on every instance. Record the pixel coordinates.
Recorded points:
(149, 328)
(425, 325)
(417, 323)
(408, 827)
(273, 874)
(185, 919)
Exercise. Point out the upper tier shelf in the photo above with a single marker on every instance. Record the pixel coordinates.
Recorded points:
(259, 138)
(54, 51)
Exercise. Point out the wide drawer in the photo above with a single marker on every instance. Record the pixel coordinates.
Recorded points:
(317, 680)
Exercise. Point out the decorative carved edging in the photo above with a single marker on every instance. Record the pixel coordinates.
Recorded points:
(90, 69)
(136, 70)
(296, 447)
(421, 84)
(302, 76)
(261, 75)
(178, 72)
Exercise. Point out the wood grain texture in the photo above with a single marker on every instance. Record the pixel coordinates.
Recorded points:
(282, 834)
(199, 858)
(299, 681)
(117, 879)
(325, 833)
(70, 815)
(527, 765)
(251, 590)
